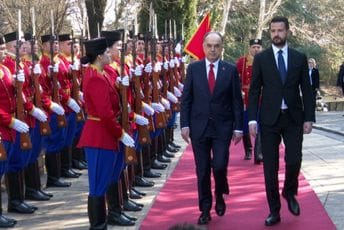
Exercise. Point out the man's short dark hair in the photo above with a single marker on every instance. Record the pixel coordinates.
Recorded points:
(213, 32)
(280, 19)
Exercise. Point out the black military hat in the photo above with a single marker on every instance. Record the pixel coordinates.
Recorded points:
(111, 36)
(27, 36)
(95, 46)
(46, 38)
(64, 37)
(131, 34)
(255, 42)
(10, 36)
(2, 41)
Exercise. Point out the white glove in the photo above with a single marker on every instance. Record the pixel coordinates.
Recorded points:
(147, 109)
(176, 61)
(81, 97)
(56, 108)
(141, 120)
(39, 114)
(148, 68)
(20, 76)
(75, 66)
(127, 140)
(56, 68)
(138, 71)
(180, 86)
(159, 108)
(123, 80)
(166, 103)
(171, 97)
(37, 69)
(172, 63)
(184, 58)
(20, 126)
(166, 63)
(73, 105)
(177, 92)
(157, 67)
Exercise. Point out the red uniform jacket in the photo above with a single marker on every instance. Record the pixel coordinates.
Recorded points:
(7, 104)
(244, 67)
(102, 103)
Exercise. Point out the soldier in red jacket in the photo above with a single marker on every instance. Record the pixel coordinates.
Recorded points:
(102, 132)
(244, 66)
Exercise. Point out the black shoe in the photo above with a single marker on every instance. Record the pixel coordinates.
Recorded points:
(129, 217)
(293, 205)
(162, 159)
(150, 174)
(32, 194)
(258, 158)
(248, 155)
(78, 164)
(168, 155)
(220, 206)
(128, 205)
(204, 218)
(134, 195)
(46, 194)
(10, 219)
(138, 204)
(138, 192)
(157, 165)
(171, 149)
(141, 182)
(30, 206)
(6, 222)
(272, 219)
(19, 207)
(117, 218)
(175, 145)
(76, 173)
(54, 182)
(68, 173)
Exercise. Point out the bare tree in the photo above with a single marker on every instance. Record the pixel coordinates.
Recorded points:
(95, 12)
(226, 8)
(266, 16)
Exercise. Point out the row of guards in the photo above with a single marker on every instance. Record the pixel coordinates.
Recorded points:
(42, 107)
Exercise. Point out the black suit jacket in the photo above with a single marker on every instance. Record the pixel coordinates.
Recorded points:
(224, 106)
(266, 82)
(315, 79)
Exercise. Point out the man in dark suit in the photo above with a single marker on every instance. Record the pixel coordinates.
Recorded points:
(340, 78)
(278, 75)
(211, 109)
(313, 76)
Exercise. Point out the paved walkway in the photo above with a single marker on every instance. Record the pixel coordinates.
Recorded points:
(323, 166)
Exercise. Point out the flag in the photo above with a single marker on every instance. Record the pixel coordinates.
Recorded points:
(194, 45)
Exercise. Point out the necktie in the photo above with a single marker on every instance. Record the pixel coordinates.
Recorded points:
(211, 78)
(281, 66)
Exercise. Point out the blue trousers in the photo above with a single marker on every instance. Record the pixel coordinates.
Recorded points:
(104, 168)
(71, 129)
(18, 158)
(172, 120)
(55, 141)
(4, 164)
(36, 140)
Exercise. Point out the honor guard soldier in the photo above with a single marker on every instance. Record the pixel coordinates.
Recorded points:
(244, 66)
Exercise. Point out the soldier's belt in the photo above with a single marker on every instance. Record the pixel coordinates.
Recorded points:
(246, 87)
(90, 117)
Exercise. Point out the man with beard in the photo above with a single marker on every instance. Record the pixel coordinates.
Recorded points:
(278, 75)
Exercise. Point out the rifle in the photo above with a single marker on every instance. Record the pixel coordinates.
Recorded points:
(130, 152)
(159, 117)
(144, 137)
(164, 74)
(3, 154)
(61, 119)
(43, 126)
(182, 66)
(25, 141)
(75, 84)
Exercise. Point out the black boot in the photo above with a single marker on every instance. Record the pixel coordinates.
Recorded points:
(53, 165)
(38, 181)
(115, 214)
(97, 212)
(258, 156)
(32, 184)
(66, 164)
(15, 202)
(247, 146)
(22, 190)
(5, 222)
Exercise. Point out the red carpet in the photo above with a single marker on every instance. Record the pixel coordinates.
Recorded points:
(246, 205)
